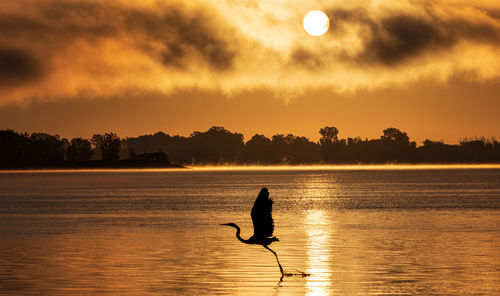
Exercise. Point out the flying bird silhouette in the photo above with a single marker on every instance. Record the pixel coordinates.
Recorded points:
(263, 225)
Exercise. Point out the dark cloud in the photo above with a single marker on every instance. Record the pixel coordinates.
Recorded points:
(307, 59)
(398, 38)
(393, 39)
(494, 13)
(183, 36)
(181, 33)
(53, 49)
(11, 26)
(171, 34)
(18, 66)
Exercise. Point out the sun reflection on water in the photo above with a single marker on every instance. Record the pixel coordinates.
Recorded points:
(318, 254)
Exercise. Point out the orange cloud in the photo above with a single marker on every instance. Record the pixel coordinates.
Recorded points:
(53, 49)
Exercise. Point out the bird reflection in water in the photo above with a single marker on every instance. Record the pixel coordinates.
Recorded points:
(263, 228)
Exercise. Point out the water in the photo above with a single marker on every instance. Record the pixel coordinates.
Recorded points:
(357, 232)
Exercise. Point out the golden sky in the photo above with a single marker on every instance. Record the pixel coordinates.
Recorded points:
(430, 68)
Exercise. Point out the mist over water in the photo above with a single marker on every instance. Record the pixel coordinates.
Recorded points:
(366, 232)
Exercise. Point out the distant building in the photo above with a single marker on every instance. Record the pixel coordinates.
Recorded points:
(152, 157)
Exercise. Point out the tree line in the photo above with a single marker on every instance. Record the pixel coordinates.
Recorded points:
(218, 146)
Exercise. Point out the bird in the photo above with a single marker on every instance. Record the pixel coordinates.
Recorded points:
(263, 224)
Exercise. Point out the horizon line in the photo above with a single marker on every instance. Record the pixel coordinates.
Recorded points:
(340, 167)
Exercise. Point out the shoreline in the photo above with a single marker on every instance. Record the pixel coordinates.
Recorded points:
(388, 166)
(340, 167)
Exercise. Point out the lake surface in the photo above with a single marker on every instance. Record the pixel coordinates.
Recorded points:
(356, 232)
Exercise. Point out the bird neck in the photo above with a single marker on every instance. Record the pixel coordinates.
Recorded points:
(246, 241)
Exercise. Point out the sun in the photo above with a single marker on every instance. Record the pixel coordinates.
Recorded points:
(316, 23)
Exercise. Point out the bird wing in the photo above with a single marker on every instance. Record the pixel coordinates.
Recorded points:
(263, 225)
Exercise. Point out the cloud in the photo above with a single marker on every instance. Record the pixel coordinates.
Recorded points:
(179, 35)
(54, 49)
(307, 59)
(105, 48)
(18, 66)
(169, 34)
(394, 38)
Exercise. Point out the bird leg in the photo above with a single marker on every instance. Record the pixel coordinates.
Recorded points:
(275, 255)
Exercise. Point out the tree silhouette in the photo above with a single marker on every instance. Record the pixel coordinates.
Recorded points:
(215, 146)
(110, 147)
(395, 136)
(220, 146)
(258, 150)
(396, 145)
(45, 150)
(97, 141)
(301, 151)
(328, 134)
(79, 150)
(176, 147)
(280, 153)
(437, 151)
(331, 148)
(13, 148)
